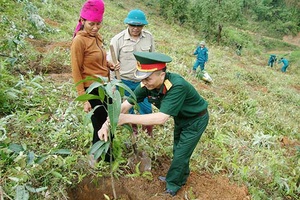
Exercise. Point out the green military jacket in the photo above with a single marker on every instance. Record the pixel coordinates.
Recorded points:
(176, 97)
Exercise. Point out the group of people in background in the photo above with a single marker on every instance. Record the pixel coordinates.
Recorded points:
(273, 59)
(144, 71)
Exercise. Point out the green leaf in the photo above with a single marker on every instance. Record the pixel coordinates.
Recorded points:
(86, 97)
(16, 148)
(122, 85)
(106, 145)
(117, 82)
(96, 146)
(101, 92)
(37, 85)
(21, 193)
(11, 95)
(87, 79)
(128, 127)
(109, 90)
(93, 86)
(99, 152)
(87, 117)
(115, 166)
(137, 168)
(62, 151)
(102, 78)
(56, 174)
(35, 190)
(41, 159)
(114, 110)
(30, 158)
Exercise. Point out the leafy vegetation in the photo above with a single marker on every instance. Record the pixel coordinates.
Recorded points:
(253, 136)
(275, 18)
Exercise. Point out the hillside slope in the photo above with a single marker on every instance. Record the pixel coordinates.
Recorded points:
(249, 150)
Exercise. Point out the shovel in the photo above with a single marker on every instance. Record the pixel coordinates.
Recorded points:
(114, 59)
(140, 158)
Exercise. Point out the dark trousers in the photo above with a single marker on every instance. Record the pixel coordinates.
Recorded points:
(98, 118)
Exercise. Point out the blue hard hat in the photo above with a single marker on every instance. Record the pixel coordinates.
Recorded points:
(136, 17)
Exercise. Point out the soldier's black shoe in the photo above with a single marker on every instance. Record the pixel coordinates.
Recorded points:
(170, 192)
(162, 178)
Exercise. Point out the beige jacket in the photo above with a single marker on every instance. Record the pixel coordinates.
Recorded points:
(124, 47)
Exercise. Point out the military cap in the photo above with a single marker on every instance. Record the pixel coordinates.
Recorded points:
(149, 62)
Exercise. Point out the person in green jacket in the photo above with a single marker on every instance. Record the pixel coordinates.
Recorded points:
(174, 97)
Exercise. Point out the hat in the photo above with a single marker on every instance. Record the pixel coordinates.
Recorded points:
(136, 17)
(149, 62)
(92, 10)
(202, 43)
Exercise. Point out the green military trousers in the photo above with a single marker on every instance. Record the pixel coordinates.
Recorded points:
(187, 133)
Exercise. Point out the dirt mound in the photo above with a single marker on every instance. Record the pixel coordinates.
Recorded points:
(199, 186)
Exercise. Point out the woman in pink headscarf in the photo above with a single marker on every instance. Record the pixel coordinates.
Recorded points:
(88, 58)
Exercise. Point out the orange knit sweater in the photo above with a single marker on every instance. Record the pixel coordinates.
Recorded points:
(88, 58)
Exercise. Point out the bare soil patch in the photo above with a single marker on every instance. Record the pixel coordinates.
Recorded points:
(200, 185)
(295, 40)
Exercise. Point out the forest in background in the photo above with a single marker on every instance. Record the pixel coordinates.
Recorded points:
(274, 18)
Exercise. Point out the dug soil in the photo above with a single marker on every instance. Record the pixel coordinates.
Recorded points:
(200, 186)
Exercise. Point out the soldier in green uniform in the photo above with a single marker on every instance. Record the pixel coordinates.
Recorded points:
(175, 97)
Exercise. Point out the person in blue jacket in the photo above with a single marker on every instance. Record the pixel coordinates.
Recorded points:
(272, 60)
(285, 64)
(202, 57)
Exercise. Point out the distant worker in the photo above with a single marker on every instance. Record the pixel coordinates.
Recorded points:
(272, 60)
(202, 57)
(238, 49)
(285, 64)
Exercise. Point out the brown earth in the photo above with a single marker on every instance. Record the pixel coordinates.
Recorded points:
(295, 40)
(200, 186)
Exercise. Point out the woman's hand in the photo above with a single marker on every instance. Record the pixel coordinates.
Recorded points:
(117, 66)
(87, 107)
(103, 132)
(114, 67)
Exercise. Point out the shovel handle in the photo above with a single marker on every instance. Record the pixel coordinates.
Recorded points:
(114, 59)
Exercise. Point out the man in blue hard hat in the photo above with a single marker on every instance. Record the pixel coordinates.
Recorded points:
(174, 97)
(133, 39)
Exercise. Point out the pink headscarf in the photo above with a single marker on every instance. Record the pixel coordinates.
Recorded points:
(91, 10)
